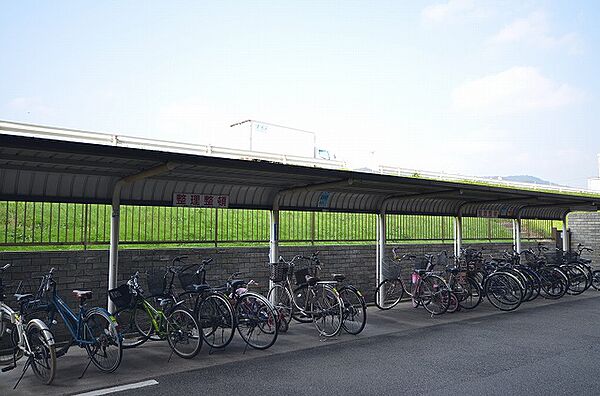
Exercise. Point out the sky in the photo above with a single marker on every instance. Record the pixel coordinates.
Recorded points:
(479, 88)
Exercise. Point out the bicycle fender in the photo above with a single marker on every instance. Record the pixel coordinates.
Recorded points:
(111, 317)
(44, 330)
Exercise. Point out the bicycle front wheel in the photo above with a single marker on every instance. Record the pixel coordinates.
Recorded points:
(216, 320)
(256, 321)
(504, 291)
(596, 280)
(354, 316)
(183, 333)
(281, 299)
(302, 305)
(434, 294)
(326, 310)
(389, 293)
(468, 293)
(102, 340)
(9, 339)
(41, 342)
(135, 326)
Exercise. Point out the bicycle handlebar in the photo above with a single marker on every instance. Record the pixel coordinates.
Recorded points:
(7, 266)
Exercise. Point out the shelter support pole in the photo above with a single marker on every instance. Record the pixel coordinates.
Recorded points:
(566, 243)
(517, 234)
(380, 255)
(113, 256)
(274, 237)
(457, 235)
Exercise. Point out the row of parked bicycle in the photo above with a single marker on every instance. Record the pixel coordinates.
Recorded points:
(506, 281)
(196, 312)
(186, 317)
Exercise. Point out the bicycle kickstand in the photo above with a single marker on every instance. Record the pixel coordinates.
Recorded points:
(27, 364)
(86, 367)
(249, 335)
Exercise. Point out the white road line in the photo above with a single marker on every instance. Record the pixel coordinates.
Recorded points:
(119, 388)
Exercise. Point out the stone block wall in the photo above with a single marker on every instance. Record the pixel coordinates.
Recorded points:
(89, 269)
(585, 229)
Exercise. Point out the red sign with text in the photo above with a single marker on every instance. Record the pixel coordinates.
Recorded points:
(201, 200)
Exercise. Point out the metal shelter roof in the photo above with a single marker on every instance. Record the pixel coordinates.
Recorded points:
(41, 169)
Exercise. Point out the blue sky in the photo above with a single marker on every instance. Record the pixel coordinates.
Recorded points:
(474, 87)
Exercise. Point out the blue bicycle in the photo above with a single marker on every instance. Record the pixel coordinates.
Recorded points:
(93, 329)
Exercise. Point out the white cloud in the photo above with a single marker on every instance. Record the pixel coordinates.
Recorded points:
(451, 10)
(516, 90)
(534, 30)
(34, 106)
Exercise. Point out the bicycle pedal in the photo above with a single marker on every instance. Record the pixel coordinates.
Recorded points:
(8, 368)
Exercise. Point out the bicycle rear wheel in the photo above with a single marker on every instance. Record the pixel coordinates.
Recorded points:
(216, 319)
(354, 308)
(41, 342)
(106, 349)
(183, 333)
(256, 320)
(326, 310)
(389, 293)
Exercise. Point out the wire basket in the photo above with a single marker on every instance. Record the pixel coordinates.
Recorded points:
(278, 271)
(157, 283)
(529, 258)
(391, 269)
(188, 279)
(121, 296)
(555, 258)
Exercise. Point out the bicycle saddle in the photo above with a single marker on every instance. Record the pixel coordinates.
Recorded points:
(311, 280)
(83, 294)
(237, 283)
(23, 297)
(339, 277)
(453, 270)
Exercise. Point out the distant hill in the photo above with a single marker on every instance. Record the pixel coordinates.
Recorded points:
(524, 179)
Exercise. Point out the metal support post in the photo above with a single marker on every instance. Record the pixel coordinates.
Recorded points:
(274, 237)
(457, 235)
(517, 234)
(381, 227)
(566, 243)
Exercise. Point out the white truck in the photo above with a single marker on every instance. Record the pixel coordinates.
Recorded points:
(272, 138)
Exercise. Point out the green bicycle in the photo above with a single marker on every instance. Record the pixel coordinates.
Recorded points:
(139, 320)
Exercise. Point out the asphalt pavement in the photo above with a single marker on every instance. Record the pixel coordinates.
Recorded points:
(552, 349)
(545, 347)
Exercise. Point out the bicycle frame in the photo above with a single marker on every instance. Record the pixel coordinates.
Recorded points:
(73, 322)
(157, 317)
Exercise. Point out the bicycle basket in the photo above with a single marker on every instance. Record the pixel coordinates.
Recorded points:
(188, 279)
(529, 257)
(278, 271)
(121, 296)
(390, 270)
(156, 283)
(554, 258)
(301, 275)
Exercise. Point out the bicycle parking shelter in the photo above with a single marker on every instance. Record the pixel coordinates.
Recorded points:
(47, 164)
